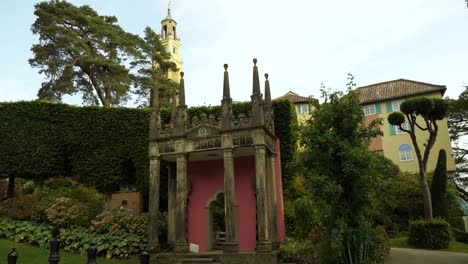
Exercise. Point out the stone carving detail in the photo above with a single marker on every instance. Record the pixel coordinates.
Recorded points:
(166, 148)
(242, 140)
(208, 144)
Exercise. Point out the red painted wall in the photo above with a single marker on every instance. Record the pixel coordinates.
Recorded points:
(207, 179)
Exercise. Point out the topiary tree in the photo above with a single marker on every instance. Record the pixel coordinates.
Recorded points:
(429, 111)
(439, 187)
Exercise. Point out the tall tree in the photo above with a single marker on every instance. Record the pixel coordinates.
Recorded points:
(342, 174)
(430, 111)
(439, 187)
(80, 51)
(457, 119)
(152, 69)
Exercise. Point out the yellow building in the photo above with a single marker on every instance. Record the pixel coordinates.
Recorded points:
(380, 99)
(171, 41)
(303, 105)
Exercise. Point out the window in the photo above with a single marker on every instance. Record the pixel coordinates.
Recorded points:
(396, 105)
(405, 153)
(174, 50)
(303, 109)
(405, 126)
(369, 109)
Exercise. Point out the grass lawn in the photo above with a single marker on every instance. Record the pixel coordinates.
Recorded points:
(29, 254)
(454, 246)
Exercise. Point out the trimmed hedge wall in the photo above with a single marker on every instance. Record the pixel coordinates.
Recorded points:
(106, 148)
(432, 234)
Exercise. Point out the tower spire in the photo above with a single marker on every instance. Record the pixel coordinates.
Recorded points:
(169, 10)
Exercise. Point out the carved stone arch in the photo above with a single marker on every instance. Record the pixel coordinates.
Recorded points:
(209, 219)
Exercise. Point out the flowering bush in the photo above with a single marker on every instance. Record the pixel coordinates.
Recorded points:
(64, 213)
(21, 207)
(117, 222)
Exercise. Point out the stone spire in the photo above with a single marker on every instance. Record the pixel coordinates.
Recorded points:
(226, 103)
(226, 89)
(169, 11)
(256, 81)
(268, 107)
(267, 90)
(181, 116)
(258, 118)
(182, 90)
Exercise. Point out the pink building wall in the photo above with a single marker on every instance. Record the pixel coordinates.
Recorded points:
(207, 180)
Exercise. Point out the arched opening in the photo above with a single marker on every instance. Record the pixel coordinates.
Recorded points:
(216, 231)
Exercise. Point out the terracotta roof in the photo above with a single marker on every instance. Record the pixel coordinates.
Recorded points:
(294, 97)
(396, 89)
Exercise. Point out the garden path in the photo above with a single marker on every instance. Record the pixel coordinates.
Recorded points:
(418, 256)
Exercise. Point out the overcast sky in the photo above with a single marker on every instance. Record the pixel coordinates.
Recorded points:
(300, 43)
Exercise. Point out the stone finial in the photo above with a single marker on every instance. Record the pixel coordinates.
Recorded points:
(256, 80)
(267, 90)
(226, 88)
(182, 90)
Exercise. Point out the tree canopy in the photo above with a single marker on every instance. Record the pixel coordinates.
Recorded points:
(457, 119)
(343, 176)
(430, 110)
(80, 51)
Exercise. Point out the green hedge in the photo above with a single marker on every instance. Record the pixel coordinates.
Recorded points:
(103, 147)
(460, 236)
(432, 234)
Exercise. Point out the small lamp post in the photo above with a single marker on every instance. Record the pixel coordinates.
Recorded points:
(13, 256)
(144, 257)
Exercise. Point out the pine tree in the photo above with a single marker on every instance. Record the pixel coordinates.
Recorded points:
(439, 187)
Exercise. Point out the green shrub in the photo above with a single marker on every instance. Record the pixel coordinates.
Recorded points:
(21, 207)
(89, 199)
(75, 239)
(460, 235)
(432, 234)
(117, 222)
(457, 222)
(65, 213)
(298, 251)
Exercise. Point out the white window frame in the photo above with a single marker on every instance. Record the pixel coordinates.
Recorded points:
(369, 109)
(398, 131)
(406, 155)
(304, 109)
(396, 105)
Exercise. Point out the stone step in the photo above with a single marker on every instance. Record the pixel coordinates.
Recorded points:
(198, 260)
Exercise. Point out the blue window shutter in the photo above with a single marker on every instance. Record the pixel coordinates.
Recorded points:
(389, 107)
(378, 109)
(392, 130)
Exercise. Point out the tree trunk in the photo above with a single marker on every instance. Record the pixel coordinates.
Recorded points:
(11, 186)
(426, 194)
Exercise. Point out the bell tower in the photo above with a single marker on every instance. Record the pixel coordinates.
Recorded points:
(171, 41)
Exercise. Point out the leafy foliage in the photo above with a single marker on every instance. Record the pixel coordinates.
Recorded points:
(439, 187)
(460, 236)
(458, 129)
(298, 251)
(76, 239)
(118, 222)
(433, 234)
(64, 212)
(21, 207)
(343, 178)
(80, 51)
